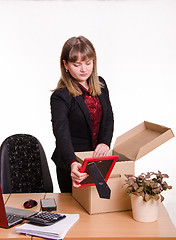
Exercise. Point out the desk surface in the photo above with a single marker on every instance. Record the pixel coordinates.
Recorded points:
(107, 226)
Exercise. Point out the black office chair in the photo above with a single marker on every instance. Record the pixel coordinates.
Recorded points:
(23, 166)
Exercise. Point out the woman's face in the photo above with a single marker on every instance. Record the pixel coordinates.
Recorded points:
(80, 70)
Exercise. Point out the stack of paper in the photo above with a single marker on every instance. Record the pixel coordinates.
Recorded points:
(57, 230)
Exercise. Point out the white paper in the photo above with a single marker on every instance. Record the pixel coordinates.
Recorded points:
(57, 230)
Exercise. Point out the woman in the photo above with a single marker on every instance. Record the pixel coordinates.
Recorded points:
(82, 116)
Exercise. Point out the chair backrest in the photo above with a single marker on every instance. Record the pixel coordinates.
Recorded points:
(23, 165)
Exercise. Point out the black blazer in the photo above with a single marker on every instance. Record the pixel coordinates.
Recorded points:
(72, 125)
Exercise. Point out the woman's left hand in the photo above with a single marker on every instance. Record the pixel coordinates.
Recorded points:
(76, 176)
(101, 150)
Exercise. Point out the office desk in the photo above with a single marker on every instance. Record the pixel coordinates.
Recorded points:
(107, 226)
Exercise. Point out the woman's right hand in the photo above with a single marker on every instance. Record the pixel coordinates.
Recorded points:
(76, 176)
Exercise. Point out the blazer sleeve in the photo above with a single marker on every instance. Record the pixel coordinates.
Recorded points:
(107, 125)
(60, 106)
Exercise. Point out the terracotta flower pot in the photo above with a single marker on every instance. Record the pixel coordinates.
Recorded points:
(144, 211)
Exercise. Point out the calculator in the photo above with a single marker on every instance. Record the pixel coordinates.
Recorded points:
(45, 218)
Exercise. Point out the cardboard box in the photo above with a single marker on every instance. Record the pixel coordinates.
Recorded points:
(130, 147)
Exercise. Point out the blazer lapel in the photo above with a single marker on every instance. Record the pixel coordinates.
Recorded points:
(85, 111)
(102, 101)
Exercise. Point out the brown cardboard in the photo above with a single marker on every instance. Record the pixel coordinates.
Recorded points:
(141, 140)
(88, 196)
(130, 146)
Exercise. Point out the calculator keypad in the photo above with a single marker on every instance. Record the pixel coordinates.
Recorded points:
(48, 217)
(45, 218)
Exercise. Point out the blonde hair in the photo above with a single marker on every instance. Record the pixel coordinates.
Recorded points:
(70, 51)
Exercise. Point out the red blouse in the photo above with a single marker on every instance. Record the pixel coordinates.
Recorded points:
(95, 110)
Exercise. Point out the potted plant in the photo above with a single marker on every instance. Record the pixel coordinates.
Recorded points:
(145, 192)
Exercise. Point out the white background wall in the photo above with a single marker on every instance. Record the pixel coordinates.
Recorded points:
(136, 48)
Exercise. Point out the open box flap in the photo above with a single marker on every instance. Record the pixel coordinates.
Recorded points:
(155, 143)
(141, 140)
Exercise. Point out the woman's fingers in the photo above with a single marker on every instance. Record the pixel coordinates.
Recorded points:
(76, 176)
(101, 150)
